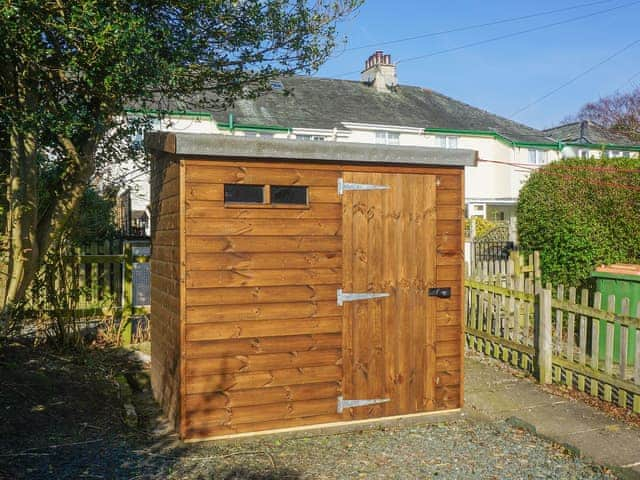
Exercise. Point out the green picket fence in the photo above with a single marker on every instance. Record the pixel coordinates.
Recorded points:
(106, 279)
(562, 335)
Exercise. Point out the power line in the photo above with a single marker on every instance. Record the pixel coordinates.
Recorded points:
(518, 33)
(505, 36)
(577, 77)
(629, 80)
(474, 26)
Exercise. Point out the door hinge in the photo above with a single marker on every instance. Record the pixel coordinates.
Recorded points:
(342, 403)
(354, 297)
(344, 186)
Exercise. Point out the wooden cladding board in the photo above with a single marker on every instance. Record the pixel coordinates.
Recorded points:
(165, 288)
(263, 330)
(263, 335)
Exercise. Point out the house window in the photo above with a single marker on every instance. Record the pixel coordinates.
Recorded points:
(447, 141)
(312, 138)
(387, 138)
(238, 193)
(537, 157)
(248, 133)
(626, 154)
(284, 194)
(583, 154)
(137, 137)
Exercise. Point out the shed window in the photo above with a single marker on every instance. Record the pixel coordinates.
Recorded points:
(288, 195)
(238, 193)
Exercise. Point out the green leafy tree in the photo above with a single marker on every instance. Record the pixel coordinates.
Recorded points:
(69, 69)
(581, 213)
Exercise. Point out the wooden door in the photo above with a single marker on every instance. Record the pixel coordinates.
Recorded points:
(389, 245)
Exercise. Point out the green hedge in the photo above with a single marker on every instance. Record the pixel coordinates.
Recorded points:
(580, 213)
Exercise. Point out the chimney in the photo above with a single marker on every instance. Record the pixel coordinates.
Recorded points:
(379, 72)
(583, 131)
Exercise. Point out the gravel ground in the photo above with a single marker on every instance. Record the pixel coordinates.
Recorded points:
(60, 418)
(459, 450)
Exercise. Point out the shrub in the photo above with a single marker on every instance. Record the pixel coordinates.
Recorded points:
(580, 213)
(483, 226)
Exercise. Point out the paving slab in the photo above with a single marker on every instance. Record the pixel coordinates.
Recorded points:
(495, 393)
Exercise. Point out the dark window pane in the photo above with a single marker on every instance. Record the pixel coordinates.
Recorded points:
(244, 193)
(289, 195)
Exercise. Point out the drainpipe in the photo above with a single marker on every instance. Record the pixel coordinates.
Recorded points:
(231, 122)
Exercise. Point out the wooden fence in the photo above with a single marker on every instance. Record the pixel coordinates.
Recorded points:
(105, 279)
(562, 335)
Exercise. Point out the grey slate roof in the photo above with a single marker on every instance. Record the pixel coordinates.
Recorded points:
(588, 132)
(311, 102)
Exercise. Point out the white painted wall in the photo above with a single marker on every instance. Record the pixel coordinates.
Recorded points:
(498, 177)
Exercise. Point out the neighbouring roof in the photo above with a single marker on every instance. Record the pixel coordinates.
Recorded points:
(231, 146)
(311, 102)
(587, 132)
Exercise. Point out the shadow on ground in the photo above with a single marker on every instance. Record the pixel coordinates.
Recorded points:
(62, 416)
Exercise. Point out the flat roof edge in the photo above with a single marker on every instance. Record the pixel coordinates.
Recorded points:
(229, 146)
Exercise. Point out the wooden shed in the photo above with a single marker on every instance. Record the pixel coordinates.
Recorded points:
(299, 283)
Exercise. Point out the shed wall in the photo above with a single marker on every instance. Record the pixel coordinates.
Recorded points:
(165, 285)
(263, 333)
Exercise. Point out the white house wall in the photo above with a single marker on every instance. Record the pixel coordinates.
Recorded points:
(498, 177)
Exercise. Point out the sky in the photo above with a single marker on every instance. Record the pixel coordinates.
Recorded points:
(506, 75)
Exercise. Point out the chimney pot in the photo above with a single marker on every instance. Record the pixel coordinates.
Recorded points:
(379, 71)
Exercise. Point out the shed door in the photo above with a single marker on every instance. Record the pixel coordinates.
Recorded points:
(389, 242)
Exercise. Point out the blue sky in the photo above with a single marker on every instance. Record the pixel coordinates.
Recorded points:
(505, 75)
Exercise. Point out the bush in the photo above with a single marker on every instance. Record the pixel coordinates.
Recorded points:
(483, 226)
(580, 213)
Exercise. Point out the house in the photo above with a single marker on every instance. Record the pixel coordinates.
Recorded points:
(587, 139)
(380, 110)
(304, 284)
(133, 222)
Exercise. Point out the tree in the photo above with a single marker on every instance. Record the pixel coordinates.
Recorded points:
(620, 112)
(68, 70)
(580, 213)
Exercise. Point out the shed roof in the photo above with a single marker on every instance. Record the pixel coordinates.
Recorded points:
(229, 146)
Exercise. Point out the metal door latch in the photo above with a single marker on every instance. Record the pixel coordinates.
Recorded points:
(342, 403)
(440, 292)
(354, 297)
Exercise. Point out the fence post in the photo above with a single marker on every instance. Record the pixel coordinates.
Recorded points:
(127, 295)
(537, 274)
(543, 359)
(513, 230)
